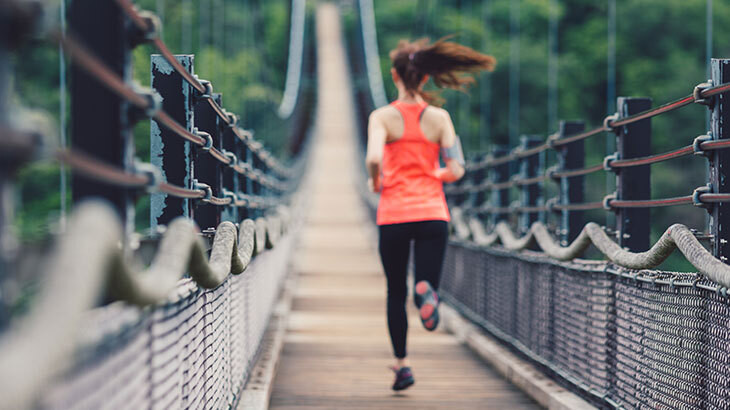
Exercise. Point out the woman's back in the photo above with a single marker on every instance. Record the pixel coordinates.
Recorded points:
(405, 141)
(411, 190)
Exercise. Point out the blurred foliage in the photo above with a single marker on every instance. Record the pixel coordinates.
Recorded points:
(660, 48)
(241, 46)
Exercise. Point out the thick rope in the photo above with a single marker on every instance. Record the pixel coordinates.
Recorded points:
(88, 263)
(677, 236)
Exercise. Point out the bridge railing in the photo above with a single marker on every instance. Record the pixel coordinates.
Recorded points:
(615, 330)
(104, 331)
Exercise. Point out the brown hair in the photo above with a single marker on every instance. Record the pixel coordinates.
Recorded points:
(448, 63)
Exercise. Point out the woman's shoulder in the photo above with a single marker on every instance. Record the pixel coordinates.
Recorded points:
(385, 112)
(436, 112)
(435, 117)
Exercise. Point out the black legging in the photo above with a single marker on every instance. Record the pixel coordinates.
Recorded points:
(429, 239)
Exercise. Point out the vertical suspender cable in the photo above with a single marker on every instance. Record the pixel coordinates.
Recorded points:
(552, 103)
(514, 73)
(372, 56)
(463, 102)
(219, 28)
(485, 106)
(62, 114)
(248, 45)
(296, 56)
(203, 34)
(611, 59)
(186, 20)
(708, 50)
(708, 75)
(708, 38)
(160, 10)
(426, 17)
(610, 93)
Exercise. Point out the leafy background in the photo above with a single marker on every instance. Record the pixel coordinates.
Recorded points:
(660, 53)
(241, 46)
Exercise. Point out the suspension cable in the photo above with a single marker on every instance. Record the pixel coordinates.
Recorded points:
(653, 112)
(577, 172)
(109, 174)
(100, 171)
(581, 136)
(584, 206)
(92, 65)
(651, 203)
(372, 56)
(111, 80)
(651, 159)
(295, 60)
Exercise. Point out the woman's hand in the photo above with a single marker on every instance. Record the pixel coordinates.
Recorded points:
(448, 175)
(375, 186)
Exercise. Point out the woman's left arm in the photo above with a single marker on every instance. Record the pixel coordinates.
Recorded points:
(451, 151)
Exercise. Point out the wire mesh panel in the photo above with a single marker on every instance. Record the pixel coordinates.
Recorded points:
(195, 351)
(632, 339)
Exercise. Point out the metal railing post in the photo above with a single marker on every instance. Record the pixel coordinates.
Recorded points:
(241, 180)
(251, 186)
(100, 120)
(479, 198)
(571, 156)
(632, 141)
(500, 173)
(530, 195)
(205, 167)
(230, 181)
(720, 162)
(167, 151)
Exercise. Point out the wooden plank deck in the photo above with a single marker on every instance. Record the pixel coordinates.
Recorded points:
(336, 349)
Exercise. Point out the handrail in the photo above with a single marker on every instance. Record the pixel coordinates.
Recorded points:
(610, 123)
(87, 262)
(296, 59)
(150, 26)
(372, 56)
(677, 236)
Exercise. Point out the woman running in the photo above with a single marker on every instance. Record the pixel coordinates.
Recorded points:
(404, 141)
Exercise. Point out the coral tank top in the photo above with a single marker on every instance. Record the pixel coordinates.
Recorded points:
(411, 191)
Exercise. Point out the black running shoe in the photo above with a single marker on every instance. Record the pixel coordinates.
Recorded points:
(428, 302)
(403, 378)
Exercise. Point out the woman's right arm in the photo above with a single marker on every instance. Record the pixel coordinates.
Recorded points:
(454, 169)
(377, 135)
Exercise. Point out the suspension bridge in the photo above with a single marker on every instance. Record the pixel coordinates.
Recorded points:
(258, 283)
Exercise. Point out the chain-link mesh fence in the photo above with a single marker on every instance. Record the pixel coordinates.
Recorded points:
(632, 339)
(195, 351)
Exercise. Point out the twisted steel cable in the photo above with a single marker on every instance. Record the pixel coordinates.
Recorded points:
(652, 159)
(111, 80)
(584, 206)
(149, 24)
(609, 125)
(146, 26)
(651, 203)
(116, 84)
(99, 70)
(577, 172)
(100, 171)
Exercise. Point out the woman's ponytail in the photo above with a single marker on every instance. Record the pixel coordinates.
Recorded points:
(449, 64)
